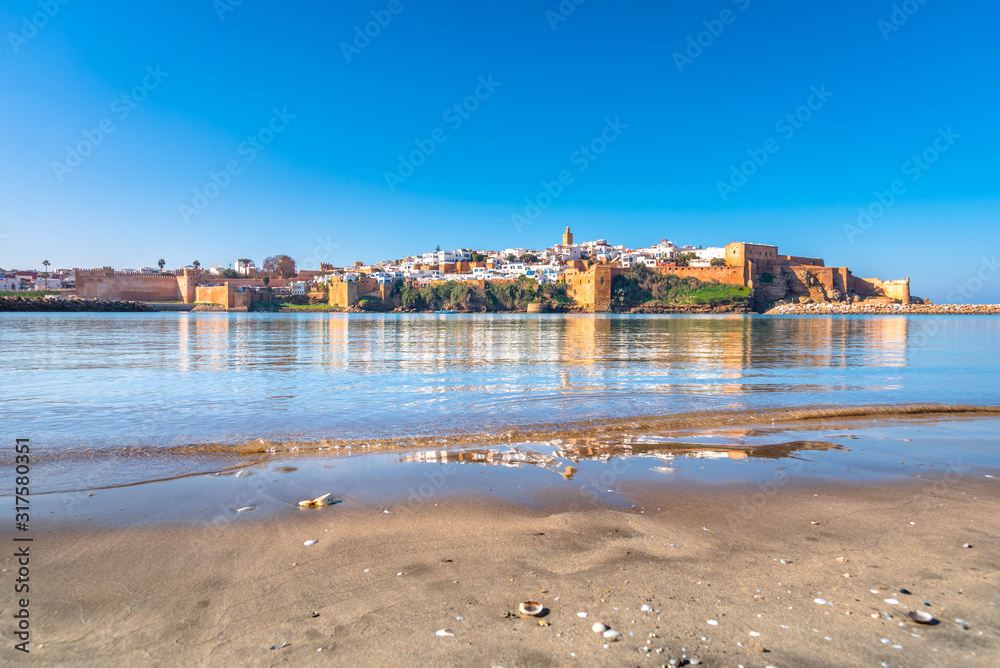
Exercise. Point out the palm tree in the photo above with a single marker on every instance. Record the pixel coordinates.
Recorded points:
(196, 265)
(45, 274)
(243, 264)
(684, 259)
(160, 263)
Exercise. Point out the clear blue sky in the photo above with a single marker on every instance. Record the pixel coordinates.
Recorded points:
(319, 189)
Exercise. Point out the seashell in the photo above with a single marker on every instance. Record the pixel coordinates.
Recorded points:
(581, 615)
(444, 633)
(317, 502)
(309, 542)
(599, 628)
(822, 601)
(712, 622)
(611, 634)
(245, 509)
(533, 608)
(892, 601)
(921, 617)
(646, 608)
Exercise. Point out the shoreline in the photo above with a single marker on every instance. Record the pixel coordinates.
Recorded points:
(377, 586)
(861, 308)
(43, 305)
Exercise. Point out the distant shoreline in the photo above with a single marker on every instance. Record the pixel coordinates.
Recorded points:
(43, 305)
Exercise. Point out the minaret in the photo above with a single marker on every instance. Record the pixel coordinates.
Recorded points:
(567, 237)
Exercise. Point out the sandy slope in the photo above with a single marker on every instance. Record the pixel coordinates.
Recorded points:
(383, 584)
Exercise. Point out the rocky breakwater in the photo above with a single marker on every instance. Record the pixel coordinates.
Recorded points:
(863, 308)
(69, 305)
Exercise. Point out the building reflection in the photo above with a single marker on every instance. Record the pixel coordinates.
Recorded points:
(561, 458)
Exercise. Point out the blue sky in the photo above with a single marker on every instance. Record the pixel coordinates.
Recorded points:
(665, 120)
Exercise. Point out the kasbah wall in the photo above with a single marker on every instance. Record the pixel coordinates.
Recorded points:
(228, 295)
(760, 267)
(188, 287)
(347, 293)
(120, 285)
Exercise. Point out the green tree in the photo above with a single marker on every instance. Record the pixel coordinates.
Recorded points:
(411, 299)
(267, 279)
(196, 265)
(45, 274)
(161, 263)
(718, 262)
(684, 259)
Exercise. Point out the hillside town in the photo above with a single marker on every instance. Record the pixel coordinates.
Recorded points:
(463, 264)
(582, 275)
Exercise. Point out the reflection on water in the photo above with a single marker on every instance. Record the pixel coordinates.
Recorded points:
(559, 456)
(152, 380)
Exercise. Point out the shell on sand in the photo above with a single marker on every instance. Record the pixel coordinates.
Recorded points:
(921, 616)
(533, 608)
(317, 502)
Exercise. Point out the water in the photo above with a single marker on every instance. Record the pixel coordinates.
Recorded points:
(100, 395)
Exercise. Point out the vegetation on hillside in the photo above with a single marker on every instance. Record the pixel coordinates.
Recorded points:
(640, 285)
(28, 294)
(496, 296)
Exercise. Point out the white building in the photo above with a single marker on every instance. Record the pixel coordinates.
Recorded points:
(709, 254)
(48, 283)
(245, 268)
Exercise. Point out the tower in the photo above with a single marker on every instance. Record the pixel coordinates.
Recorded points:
(567, 237)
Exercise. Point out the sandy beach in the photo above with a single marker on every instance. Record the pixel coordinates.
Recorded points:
(732, 576)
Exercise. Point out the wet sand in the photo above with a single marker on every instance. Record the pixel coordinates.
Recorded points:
(384, 583)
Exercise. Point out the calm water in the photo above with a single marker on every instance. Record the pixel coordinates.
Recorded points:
(86, 385)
